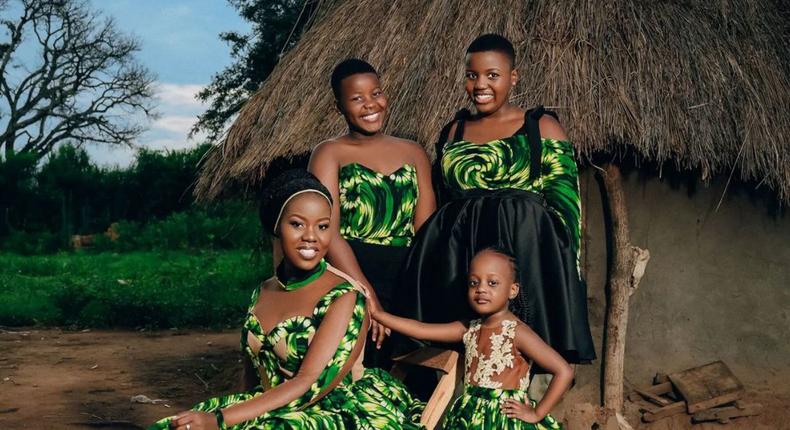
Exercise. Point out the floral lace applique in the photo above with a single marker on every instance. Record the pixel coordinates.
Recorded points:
(523, 383)
(500, 358)
(470, 347)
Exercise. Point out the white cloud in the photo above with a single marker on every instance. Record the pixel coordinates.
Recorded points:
(179, 95)
(170, 144)
(180, 124)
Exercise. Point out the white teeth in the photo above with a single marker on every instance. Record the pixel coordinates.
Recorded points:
(307, 253)
(371, 117)
(484, 98)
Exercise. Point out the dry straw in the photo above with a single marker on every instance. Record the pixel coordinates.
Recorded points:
(702, 84)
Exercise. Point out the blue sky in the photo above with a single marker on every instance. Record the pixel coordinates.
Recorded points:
(180, 44)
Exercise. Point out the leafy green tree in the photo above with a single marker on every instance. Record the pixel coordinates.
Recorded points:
(276, 27)
(68, 181)
(162, 182)
(16, 189)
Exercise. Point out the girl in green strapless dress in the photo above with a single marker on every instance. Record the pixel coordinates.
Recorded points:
(303, 336)
(383, 187)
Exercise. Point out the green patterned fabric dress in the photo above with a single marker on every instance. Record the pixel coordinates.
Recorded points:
(377, 208)
(505, 163)
(520, 193)
(373, 401)
(377, 221)
(494, 370)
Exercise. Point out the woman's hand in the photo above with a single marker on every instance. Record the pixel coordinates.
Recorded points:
(378, 332)
(520, 411)
(374, 307)
(194, 420)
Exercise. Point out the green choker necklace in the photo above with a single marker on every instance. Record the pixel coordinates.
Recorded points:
(295, 284)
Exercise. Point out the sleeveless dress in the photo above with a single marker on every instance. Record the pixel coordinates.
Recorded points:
(377, 221)
(372, 400)
(519, 193)
(494, 370)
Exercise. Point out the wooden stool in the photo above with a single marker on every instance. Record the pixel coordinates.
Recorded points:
(442, 360)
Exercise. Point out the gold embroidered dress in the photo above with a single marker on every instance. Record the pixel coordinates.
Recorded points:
(494, 370)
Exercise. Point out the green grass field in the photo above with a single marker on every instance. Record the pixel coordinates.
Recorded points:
(135, 289)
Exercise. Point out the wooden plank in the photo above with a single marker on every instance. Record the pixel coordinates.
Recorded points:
(433, 358)
(652, 397)
(440, 399)
(665, 412)
(707, 386)
(723, 415)
(655, 390)
(645, 406)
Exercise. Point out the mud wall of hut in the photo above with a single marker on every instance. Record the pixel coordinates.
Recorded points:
(717, 286)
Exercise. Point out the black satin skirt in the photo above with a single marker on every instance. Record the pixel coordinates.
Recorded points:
(381, 265)
(434, 277)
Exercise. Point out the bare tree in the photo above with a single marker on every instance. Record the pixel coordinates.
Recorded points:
(83, 84)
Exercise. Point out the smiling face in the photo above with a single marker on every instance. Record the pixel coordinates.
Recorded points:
(491, 283)
(304, 230)
(362, 102)
(489, 78)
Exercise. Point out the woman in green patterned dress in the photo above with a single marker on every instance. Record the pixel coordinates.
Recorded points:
(303, 336)
(498, 349)
(382, 184)
(506, 178)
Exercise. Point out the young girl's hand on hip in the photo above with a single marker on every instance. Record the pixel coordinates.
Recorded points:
(520, 411)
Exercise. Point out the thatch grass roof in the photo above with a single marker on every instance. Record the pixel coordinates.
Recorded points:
(704, 85)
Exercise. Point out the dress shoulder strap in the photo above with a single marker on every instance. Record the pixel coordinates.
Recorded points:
(532, 129)
(444, 136)
(441, 192)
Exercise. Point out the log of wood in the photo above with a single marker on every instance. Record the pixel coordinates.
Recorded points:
(626, 270)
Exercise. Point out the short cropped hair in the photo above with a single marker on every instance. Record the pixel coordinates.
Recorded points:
(346, 68)
(493, 42)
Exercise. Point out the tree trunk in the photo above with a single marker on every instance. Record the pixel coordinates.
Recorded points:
(626, 269)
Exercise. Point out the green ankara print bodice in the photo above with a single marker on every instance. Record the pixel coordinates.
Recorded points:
(505, 163)
(377, 208)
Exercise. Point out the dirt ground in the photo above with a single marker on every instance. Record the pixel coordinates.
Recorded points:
(56, 379)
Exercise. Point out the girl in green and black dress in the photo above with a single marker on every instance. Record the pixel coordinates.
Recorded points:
(383, 187)
(507, 178)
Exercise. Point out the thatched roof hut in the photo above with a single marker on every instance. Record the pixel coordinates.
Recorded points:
(704, 85)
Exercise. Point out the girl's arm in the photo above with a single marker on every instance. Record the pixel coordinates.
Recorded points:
(447, 333)
(325, 167)
(426, 201)
(532, 346)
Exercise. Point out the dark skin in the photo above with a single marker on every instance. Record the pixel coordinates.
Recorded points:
(305, 238)
(490, 77)
(491, 286)
(364, 106)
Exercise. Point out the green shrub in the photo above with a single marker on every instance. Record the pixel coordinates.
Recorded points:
(135, 289)
(24, 243)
